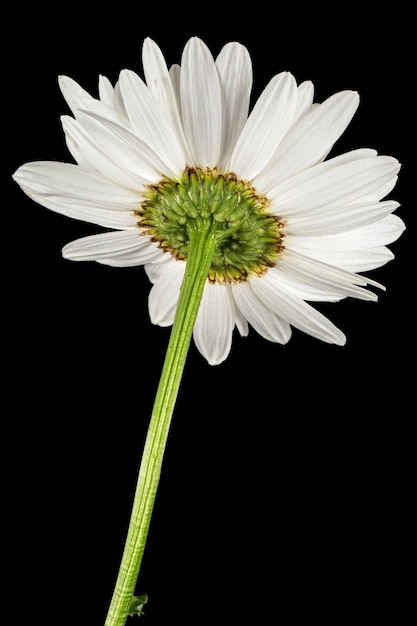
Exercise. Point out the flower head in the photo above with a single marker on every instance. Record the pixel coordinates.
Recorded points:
(155, 159)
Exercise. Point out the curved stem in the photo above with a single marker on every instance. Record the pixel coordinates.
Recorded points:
(202, 245)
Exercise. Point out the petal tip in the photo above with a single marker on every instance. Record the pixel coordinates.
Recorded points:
(65, 82)
(335, 337)
(341, 340)
(17, 176)
(149, 44)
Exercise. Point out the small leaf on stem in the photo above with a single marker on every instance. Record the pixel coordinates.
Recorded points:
(136, 605)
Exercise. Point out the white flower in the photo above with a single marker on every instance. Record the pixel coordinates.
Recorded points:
(194, 117)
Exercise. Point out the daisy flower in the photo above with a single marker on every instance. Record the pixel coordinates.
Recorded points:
(156, 158)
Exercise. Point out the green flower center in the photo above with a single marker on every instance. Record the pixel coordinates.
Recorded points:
(249, 240)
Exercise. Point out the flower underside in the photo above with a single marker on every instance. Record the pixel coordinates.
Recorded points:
(249, 241)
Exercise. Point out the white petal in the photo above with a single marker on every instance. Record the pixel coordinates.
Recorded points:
(326, 276)
(305, 290)
(70, 208)
(294, 310)
(175, 76)
(72, 191)
(134, 155)
(240, 320)
(310, 140)
(163, 297)
(74, 148)
(377, 233)
(106, 91)
(154, 66)
(201, 103)
(149, 121)
(72, 144)
(119, 105)
(101, 158)
(341, 219)
(119, 249)
(265, 127)
(357, 250)
(72, 181)
(263, 319)
(99, 109)
(73, 93)
(305, 95)
(384, 232)
(102, 110)
(79, 99)
(214, 324)
(333, 184)
(352, 260)
(155, 269)
(160, 84)
(320, 168)
(235, 71)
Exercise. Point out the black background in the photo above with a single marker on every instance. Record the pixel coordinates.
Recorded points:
(285, 494)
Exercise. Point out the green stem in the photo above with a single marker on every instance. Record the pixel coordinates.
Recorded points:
(202, 245)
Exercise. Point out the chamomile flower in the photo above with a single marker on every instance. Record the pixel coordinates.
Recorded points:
(156, 158)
